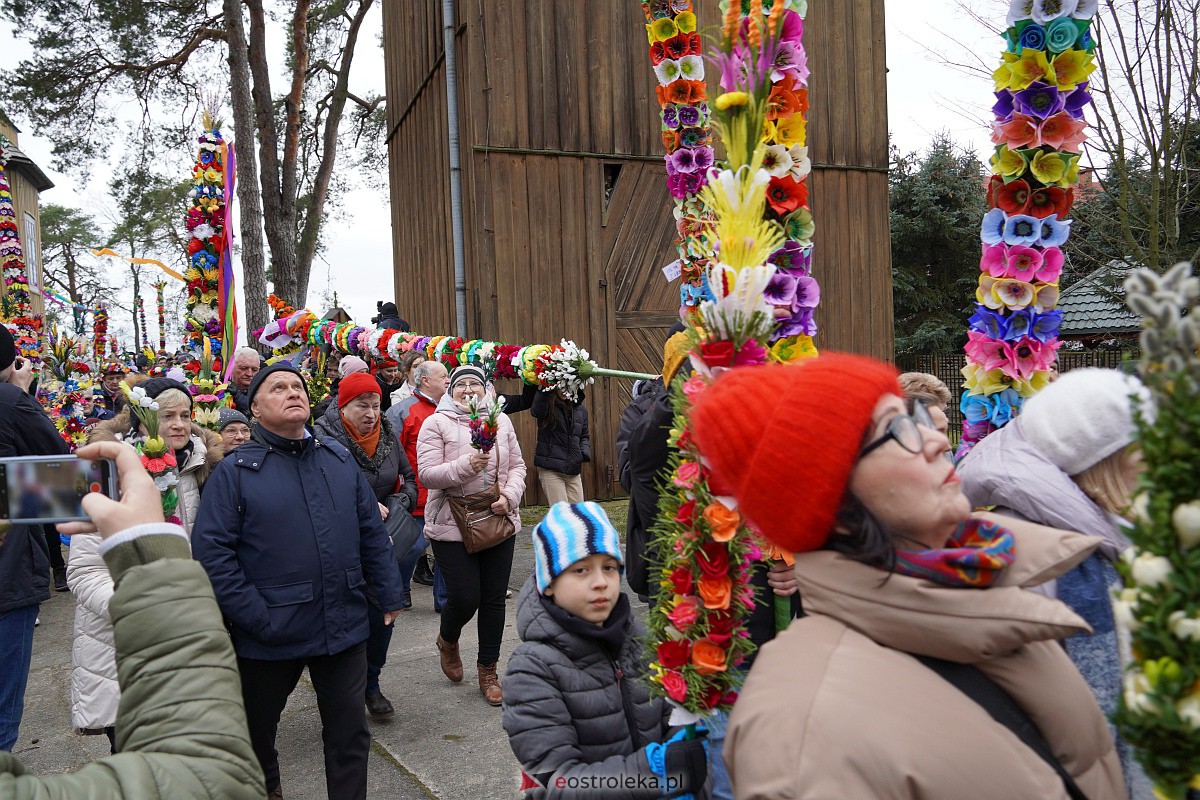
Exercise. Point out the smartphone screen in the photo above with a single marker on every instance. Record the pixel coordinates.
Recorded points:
(38, 489)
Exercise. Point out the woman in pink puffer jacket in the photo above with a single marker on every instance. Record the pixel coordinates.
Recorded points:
(448, 465)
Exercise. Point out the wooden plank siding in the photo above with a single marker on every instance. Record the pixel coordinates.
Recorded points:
(551, 96)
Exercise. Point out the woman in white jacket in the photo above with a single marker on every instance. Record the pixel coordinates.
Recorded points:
(94, 689)
(448, 465)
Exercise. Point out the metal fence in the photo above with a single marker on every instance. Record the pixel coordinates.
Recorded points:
(948, 366)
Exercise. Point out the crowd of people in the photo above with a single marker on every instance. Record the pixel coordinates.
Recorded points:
(936, 650)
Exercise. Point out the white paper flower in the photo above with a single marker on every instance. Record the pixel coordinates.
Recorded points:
(1046, 10)
(1137, 693)
(1183, 626)
(1151, 570)
(1186, 521)
(1125, 609)
(691, 68)
(777, 160)
(1188, 710)
(801, 165)
(203, 231)
(1086, 9)
(1019, 10)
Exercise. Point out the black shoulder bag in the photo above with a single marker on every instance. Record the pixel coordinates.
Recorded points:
(972, 682)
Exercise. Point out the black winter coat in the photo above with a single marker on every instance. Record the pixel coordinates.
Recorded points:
(564, 444)
(647, 453)
(290, 541)
(388, 463)
(568, 704)
(25, 430)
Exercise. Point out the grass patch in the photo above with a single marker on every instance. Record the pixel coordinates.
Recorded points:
(617, 510)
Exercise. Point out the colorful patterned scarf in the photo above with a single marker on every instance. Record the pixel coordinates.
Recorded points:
(972, 558)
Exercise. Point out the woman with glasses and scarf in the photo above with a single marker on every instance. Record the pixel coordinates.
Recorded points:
(920, 626)
(475, 582)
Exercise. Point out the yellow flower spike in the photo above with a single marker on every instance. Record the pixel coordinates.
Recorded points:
(1030, 66)
(729, 100)
(1009, 164)
(1003, 75)
(1071, 68)
(1047, 167)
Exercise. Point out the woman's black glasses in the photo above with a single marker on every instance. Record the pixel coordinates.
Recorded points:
(903, 429)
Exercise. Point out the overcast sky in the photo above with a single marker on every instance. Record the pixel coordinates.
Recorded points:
(925, 95)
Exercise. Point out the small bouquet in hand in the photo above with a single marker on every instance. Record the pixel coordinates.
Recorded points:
(484, 423)
(157, 457)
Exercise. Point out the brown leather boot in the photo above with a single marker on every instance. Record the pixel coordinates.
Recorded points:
(451, 663)
(489, 684)
(275, 794)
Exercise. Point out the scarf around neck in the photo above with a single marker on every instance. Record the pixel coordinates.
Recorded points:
(973, 557)
(610, 635)
(368, 442)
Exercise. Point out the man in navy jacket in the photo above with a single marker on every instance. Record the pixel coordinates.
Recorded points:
(290, 534)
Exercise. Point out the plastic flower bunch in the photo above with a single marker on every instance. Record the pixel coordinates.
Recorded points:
(676, 54)
(484, 422)
(208, 392)
(15, 307)
(1159, 711)
(1038, 129)
(205, 222)
(99, 331)
(157, 457)
(567, 368)
(703, 597)
(764, 75)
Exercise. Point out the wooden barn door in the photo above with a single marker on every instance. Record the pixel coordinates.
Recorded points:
(627, 248)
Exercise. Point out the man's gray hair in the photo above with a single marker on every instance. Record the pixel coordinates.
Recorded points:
(246, 352)
(425, 370)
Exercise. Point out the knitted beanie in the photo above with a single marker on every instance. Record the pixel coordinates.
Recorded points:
(466, 371)
(228, 416)
(786, 438)
(1084, 417)
(156, 386)
(355, 384)
(350, 365)
(571, 532)
(8, 347)
(261, 376)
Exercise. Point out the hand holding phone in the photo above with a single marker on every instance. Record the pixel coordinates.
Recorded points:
(45, 489)
(140, 504)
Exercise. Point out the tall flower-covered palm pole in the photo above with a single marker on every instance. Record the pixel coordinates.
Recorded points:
(1159, 711)
(206, 224)
(751, 304)
(15, 308)
(1041, 89)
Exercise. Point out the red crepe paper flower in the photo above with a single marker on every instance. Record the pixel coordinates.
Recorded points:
(786, 194)
(678, 46)
(686, 516)
(717, 354)
(1013, 197)
(713, 559)
(1051, 200)
(674, 654)
(681, 580)
(657, 53)
(675, 686)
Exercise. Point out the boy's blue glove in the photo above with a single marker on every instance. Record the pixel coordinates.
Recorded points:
(681, 764)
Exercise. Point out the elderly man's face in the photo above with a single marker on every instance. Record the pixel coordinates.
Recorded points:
(244, 371)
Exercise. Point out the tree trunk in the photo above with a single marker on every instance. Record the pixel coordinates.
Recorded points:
(309, 236)
(254, 275)
(279, 212)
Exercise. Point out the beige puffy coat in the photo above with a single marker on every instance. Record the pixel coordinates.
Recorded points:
(835, 707)
(94, 689)
(443, 455)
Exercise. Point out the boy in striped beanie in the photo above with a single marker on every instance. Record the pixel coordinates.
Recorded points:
(576, 709)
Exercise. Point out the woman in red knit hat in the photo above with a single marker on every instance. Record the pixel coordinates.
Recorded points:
(920, 633)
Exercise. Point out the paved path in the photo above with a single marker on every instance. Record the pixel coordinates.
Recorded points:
(444, 742)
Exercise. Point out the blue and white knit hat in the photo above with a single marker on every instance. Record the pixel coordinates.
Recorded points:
(571, 532)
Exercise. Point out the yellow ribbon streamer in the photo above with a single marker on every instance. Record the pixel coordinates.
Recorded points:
(131, 260)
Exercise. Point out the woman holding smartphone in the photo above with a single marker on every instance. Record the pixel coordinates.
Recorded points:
(94, 689)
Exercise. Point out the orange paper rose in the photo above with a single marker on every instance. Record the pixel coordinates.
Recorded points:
(708, 657)
(722, 520)
(716, 592)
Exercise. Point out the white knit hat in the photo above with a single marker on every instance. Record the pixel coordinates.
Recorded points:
(571, 532)
(1084, 417)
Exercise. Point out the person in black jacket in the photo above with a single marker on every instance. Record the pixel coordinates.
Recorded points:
(24, 557)
(389, 317)
(290, 535)
(563, 445)
(357, 423)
